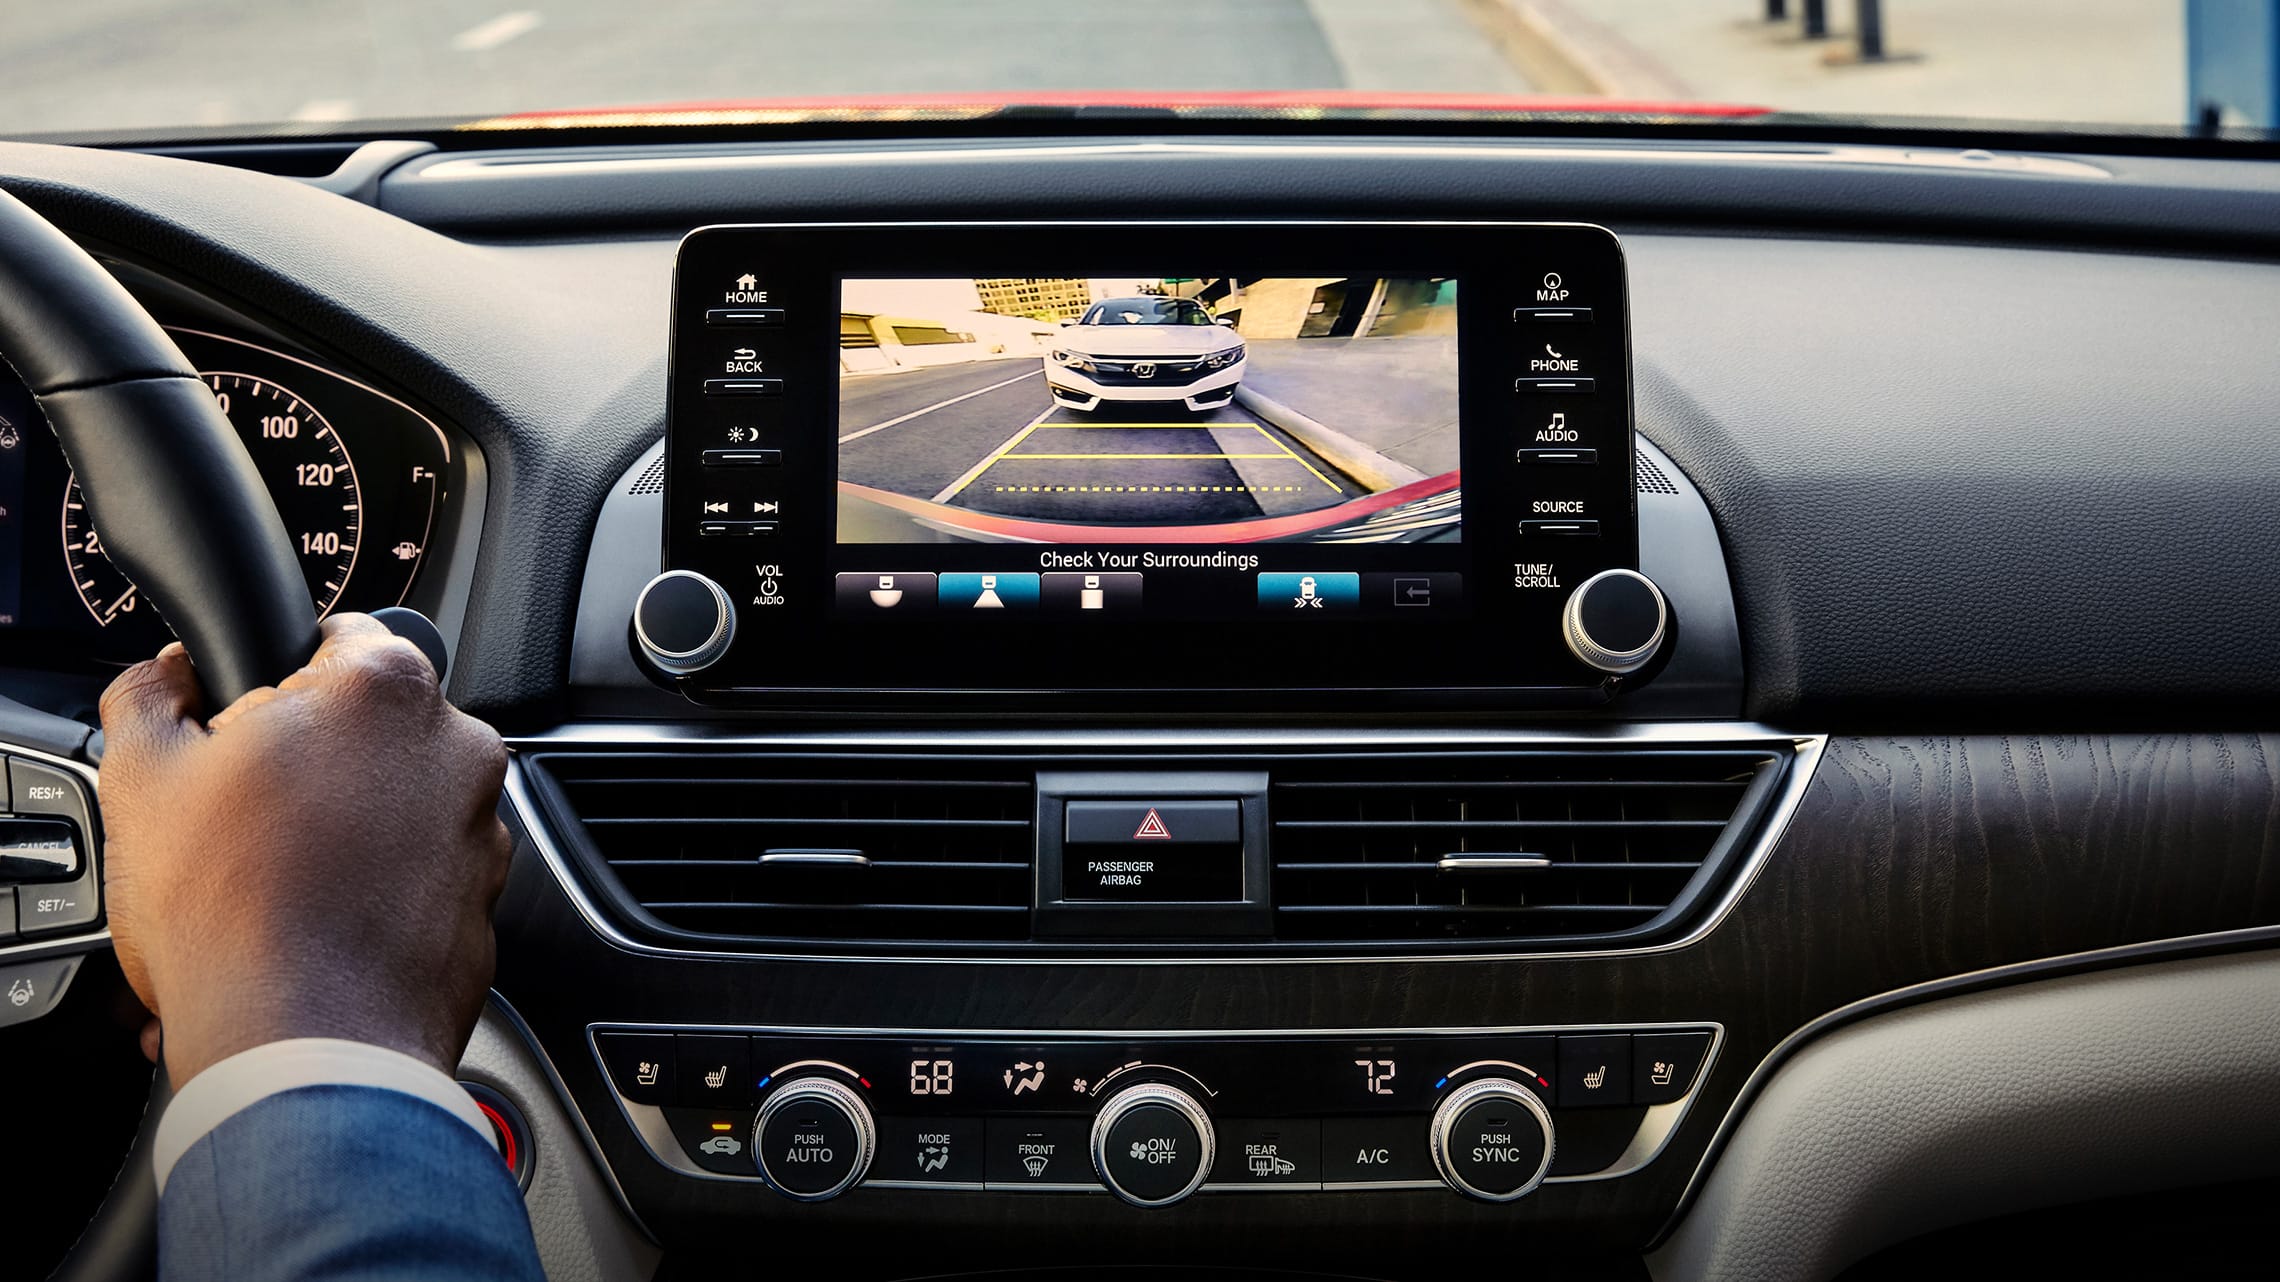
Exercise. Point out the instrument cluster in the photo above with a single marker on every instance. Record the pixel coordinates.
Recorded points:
(362, 480)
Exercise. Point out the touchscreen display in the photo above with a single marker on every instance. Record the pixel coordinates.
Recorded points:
(1178, 445)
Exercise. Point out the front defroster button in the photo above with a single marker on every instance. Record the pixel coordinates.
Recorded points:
(1036, 1152)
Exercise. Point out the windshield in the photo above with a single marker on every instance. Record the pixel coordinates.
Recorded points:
(155, 68)
(1147, 311)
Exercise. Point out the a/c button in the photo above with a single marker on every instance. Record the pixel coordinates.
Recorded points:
(1359, 1150)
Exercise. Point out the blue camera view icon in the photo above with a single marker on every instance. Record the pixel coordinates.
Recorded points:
(1312, 592)
(988, 592)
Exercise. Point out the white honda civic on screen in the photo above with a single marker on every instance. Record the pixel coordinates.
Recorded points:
(1146, 349)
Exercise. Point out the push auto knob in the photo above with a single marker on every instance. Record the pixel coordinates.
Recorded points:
(814, 1139)
(1152, 1144)
(683, 622)
(1492, 1139)
(1615, 621)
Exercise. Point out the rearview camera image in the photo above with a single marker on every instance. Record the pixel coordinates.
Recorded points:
(1171, 409)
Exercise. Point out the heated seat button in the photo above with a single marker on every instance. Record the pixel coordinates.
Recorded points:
(1273, 1151)
(713, 1070)
(1664, 1065)
(929, 1150)
(1033, 1152)
(640, 1065)
(1595, 1070)
(1369, 1150)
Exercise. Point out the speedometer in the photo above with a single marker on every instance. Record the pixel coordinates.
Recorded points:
(303, 463)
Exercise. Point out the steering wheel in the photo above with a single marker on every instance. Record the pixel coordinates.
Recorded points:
(185, 516)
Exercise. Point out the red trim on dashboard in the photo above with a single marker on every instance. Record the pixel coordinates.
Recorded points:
(1023, 529)
(1250, 100)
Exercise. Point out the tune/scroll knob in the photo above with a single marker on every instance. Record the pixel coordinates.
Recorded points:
(1615, 621)
(814, 1139)
(683, 621)
(1152, 1144)
(1492, 1139)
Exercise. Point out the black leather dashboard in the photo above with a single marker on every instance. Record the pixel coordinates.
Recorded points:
(1986, 448)
(1955, 480)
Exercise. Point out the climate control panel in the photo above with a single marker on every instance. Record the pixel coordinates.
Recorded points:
(1156, 1118)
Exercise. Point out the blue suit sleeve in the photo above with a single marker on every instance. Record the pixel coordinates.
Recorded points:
(343, 1184)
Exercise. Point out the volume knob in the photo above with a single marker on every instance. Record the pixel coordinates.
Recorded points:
(683, 622)
(1615, 621)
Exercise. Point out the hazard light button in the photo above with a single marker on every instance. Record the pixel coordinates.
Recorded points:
(1153, 851)
(1163, 823)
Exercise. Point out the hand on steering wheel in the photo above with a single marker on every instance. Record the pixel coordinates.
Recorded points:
(320, 858)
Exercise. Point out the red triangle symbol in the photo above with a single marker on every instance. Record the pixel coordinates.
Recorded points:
(1152, 828)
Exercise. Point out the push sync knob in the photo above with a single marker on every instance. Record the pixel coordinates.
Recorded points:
(1492, 1139)
(683, 622)
(1615, 621)
(1152, 1144)
(814, 1139)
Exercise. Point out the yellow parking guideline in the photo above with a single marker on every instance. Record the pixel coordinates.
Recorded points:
(1010, 458)
(986, 464)
(1286, 452)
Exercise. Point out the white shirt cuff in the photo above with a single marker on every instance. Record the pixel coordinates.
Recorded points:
(250, 1076)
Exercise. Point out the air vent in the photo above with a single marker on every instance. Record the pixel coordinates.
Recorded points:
(1551, 848)
(842, 849)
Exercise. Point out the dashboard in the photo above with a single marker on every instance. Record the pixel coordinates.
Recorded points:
(1062, 768)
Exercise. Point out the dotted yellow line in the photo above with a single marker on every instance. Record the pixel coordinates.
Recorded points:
(1148, 489)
